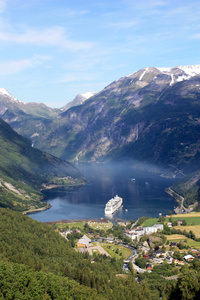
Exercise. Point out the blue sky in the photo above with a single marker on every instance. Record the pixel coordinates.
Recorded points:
(51, 50)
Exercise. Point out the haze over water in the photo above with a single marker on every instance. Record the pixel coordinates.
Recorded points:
(144, 197)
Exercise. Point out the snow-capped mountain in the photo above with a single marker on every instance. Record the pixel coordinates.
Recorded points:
(152, 114)
(144, 115)
(4, 92)
(181, 73)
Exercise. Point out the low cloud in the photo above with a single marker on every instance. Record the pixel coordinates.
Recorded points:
(17, 66)
(54, 36)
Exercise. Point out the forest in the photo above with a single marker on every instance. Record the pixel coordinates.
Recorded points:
(36, 262)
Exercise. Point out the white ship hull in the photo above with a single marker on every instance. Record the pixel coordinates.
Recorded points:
(113, 205)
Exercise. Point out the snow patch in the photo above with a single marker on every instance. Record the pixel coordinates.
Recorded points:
(34, 135)
(87, 95)
(5, 92)
(163, 70)
(143, 74)
(183, 77)
(190, 70)
(172, 80)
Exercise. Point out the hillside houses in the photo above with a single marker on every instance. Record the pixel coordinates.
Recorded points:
(136, 233)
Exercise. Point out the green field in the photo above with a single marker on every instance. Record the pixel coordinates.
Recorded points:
(111, 249)
(150, 222)
(189, 220)
(78, 225)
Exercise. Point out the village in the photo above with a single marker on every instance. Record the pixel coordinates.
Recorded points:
(166, 241)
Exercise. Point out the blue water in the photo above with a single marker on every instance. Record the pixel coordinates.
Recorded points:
(145, 197)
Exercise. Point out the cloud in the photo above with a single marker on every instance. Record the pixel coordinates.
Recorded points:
(16, 66)
(54, 36)
(196, 36)
(2, 5)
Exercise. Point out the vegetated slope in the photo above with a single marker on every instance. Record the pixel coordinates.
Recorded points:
(189, 188)
(38, 263)
(25, 170)
(33, 255)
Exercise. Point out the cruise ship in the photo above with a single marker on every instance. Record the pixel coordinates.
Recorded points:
(113, 204)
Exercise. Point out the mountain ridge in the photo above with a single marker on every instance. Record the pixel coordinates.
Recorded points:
(106, 125)
(25, 171)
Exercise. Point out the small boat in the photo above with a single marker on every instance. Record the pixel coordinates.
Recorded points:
(133, 180)
(126, 209)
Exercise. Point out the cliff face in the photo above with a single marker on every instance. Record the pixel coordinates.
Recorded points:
(151, 115)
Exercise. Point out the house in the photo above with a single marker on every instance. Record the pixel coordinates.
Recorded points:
(139, 231)
(84, 242)
(154, 228)
(159, 253)
(180, 222)
(65, 233)
(188, 257)
(179, 262)
(169, 224)
(158, 227)
(173, 244)
(157, 260)
(149, 266)
(169, 259)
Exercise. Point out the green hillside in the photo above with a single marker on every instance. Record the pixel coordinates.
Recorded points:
(24, 171)
(38, 263)
(189, 188)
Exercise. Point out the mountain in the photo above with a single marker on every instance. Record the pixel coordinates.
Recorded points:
(25, 118)
(78, 100)
(189, 188)
(25, 171)
(151, 115)
(10, 106)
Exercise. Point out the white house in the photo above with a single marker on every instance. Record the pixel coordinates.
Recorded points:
(188, 257)
(154, 228)
(84, 242)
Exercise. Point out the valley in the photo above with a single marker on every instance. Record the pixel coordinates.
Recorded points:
(149, 118)
(143, 126)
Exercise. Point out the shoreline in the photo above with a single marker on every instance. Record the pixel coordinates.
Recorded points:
(104, 220)
(64, 187)
(180, 200)
(49, 188)
(48, 206)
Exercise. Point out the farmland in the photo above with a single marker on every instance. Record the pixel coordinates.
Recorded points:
(195, 229)
(179, 237)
